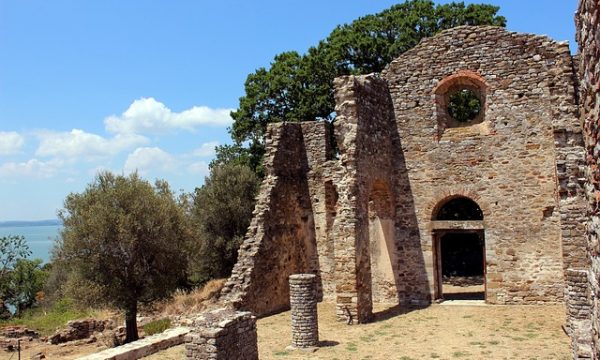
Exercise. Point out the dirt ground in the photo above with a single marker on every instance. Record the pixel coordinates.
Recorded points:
(66, 352)
(437, 332)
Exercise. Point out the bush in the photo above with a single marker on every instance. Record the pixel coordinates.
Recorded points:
(157, 326)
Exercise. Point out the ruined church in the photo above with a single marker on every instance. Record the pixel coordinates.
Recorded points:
(403, 187)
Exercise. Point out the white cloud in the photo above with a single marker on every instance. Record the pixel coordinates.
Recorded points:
(146, 115)
(206, 149)
(198, 168)
(32, 168)
(145, 159)
(78, 144)
(10, 142)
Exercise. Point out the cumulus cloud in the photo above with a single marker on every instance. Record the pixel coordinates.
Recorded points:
(148, 116)
(78, 144)
(146, 159)
(198, 168)
(206, 149)
(32, 168)
(10, 142)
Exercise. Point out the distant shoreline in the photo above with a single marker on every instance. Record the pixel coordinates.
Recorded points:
(24, 223)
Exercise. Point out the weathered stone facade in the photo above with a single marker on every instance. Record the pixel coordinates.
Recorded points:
(588, 37)
(365, 221)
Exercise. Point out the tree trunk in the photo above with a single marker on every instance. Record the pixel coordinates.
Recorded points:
(131, 323)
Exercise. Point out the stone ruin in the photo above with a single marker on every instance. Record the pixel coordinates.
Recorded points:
(367, 204)
(588, 36)
(223, 334)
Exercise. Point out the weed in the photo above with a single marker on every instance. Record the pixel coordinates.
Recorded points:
(460, 354)
(434, 356)
(157, 326)
(282, 353)
(531, 335)
(351, 347)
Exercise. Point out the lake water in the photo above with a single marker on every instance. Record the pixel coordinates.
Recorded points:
(39, 238)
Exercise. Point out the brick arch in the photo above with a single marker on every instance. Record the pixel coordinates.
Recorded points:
(434, 206)
(466, 78)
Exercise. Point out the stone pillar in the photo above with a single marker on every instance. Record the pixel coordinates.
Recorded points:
(223, 334)
(303, 303)
(579, 309)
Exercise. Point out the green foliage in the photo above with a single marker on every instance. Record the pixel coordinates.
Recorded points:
(48, 320)
(12, 250)
(464, 106)
(221, 212)
(157, 326)
(25, 284)
(300, 87)
(127, 237)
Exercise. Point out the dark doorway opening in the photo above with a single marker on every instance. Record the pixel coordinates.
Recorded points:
(463, 265)
(459, 250)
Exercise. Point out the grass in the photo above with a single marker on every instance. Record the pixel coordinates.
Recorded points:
(157, 326)
(48, 320)
(192, 302)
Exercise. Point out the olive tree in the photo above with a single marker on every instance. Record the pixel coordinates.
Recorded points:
(127, 237)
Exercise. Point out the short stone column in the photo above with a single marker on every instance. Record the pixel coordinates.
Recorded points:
(303, 303)
(579, 312)
(223, 334)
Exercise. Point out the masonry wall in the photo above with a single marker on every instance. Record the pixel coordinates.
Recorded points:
(364, 223)
(506, 163)
(588, 37)
(281, 239)
(291, 227)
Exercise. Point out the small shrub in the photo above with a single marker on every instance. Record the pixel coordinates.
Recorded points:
(157, 326)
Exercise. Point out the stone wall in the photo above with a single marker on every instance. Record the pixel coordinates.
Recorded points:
(364, 181)
(588, 37)
(283, 237)
(579, 308)
(506, 161)
(222, 335)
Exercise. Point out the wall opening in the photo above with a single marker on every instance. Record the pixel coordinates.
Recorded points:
(462, 257)
(460, 100)
(459, 250)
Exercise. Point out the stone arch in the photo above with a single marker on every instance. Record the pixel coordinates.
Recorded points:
(438, 201)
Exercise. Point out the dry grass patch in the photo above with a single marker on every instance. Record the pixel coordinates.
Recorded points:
(438, 332)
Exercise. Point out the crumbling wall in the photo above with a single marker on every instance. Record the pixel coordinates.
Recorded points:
(282, 237)
(506, 161)
(222, 335)
(588, 37)
(364, 133)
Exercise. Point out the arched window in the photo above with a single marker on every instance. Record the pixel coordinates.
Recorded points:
(460, 208)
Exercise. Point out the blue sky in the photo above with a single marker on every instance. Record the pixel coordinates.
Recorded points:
(148, 85)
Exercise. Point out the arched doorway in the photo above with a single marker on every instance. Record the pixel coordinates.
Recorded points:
(459, 250)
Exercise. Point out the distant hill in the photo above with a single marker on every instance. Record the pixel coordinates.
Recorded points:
(22, 223)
